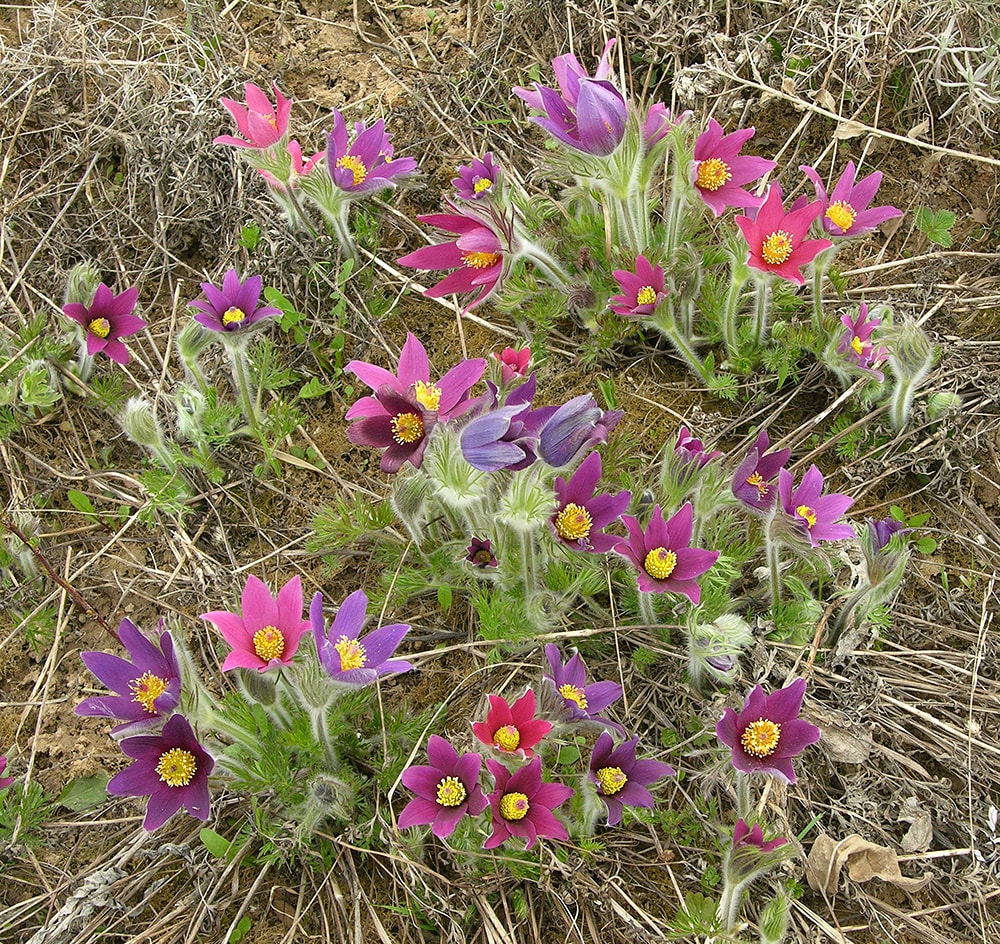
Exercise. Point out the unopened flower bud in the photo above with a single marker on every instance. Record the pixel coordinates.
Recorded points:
(140, 423)
(190, 405)
(942, 402)
(81, 283)
(911, 353)
(773, 921)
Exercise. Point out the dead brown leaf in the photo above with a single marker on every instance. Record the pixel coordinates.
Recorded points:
(865, 860)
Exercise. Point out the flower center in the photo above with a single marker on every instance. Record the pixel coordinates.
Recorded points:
(507, 738)
(176, 767)
(646, 296)
(776, 248)
(480, 260)
(713, 174)
(451, 792)
(760, 738)
(572, 693)
(428, 395)
(757, 481)
(483, 557)
(352, 654)
(807, 514)
(100, 326)
(514, 806)
(574, 522)
(233, 316)
(407, 428)
(146, 689)
(481, 185)
(268, 643)
(857, 346)
(841, 214)
(355, 166)
(660, 563)
(612, 780)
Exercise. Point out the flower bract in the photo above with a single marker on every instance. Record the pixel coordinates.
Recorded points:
(621, 779)
(512, 729)
(815, 513)
(522, 805)
(233, 308)
(106, 320)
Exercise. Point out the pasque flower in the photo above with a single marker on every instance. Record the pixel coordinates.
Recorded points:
(505, 437)
(513, 364)
(577, 425)
(856, 344)
(522, 804)
(691, 450)
(753, 481)
(5, 782)
(478, 180)
(580, 515)
(512, 729)
(268, 631)
(662, 553)
(719, 172)
(768, 733)
(233, 308)
(621, 779)
(480, 554)
(846, 210)
(659, 123)
(106, 320)
(170, 768)
(814, 512)
(776, 239)
(744, 835)
(581, 701)
(365, 164)
(147, 685)
(394, 422)
(261, 123)
(344, 653)
(446, 789)
(641, 291)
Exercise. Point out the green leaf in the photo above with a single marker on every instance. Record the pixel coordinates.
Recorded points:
(444, 597)
(84, 793)
(926, 545)
(918, 521)
(935, 224)
(313, 389)
(569, 754)
(81, 502)
(239, 932)
(897, 513)
(217, 845)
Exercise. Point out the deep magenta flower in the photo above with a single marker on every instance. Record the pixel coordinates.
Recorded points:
(478, 180)
(170, 768)
(856, 344)
(662, 553)
(691, 451)
(578, 425)
(581, 702)
(447, 397)
(719, 172)
(5, 782)
(393, 422)
(268, 631)
(261, 123)
(367, 163)
(846, 211)
(513, 364)
(753, 482)
(347, 656)
(480, 554)
(512, 729)
(768, 733)
(641, 291)
(776, 239)
(233, 308)
(522, 805)
(621, 779)
(446, 789)
(147, 684)
(107, 319)
(743, 835)
(581, 516)
(813, 511)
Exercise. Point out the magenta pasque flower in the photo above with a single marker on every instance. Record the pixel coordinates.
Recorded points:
(233, 308)
(261, 123)
(478, 180)
(768, 733)
(522, 805)
(846, 210)
(106, 320)
(446, 789)
(393, 422)
(621, 779)
(662, 553)
(170, 768)
(814, 512)
(719, 172)
(659, 123)
(268, 630)
(743, 835)
(856, 344)
(366, 164)
(480, 554)
(753, 481)
(581, 701)
(513, 364)
(5, 782)
(580, 515)
(147, 685)
(512, 729)
(691, 450)
(776, 239)
(641, 291)
(344, 653)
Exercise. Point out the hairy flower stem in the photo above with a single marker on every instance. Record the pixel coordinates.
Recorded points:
(743, 803)
(322, 734)
(773, 566)
(901, 402)
(734, 296)
(762, 310)
(529, 564)
(237, 351)
(821, 265)
(729, 902)
(647, 609)
(547, 264)
(847, 610)
(676, 208)
(667, 326)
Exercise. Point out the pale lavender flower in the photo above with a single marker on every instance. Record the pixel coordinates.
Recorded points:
(365, 164)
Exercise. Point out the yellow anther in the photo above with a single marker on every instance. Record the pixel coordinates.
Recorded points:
(428, 395)
(268, 643)
(233, 316)
(807, 514)
(146, 689)
(451, 792)
(352, 654)
(507, 738)
(514, 806)
(776, 248)
(713, 174)
(176, 767)
(480, 260)
(407, 428)
(612, 780)
(841, 214)
(660, 563)
(100, 326)
(355, 166)
(572, 693)
(573, 523)
(760, 738)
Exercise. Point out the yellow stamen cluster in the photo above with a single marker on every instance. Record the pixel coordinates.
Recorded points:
(857, 346)
(352, 654)
(713, 174)
(646, 295)
(176, 767)
(268, 643)
(146, 689)
(407, 428)
(428, 395)
(355, 166)
(233, 316)
(480, 260)
(807, 514)
(507, 738)
(841, 214)
(660, 563)
(776, 248)
(573, 523)
(757, 481)
(100, 326)
(482, 185)
(451, 792)
(612, 780)
(760, 738)
(572, 693)
(514, 806)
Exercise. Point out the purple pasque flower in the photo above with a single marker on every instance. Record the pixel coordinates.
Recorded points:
(659, 123)
(480, 554)
(344, 653)
(768, 733)
(856, 344)
(522, 805)
(581, 701)
(396, 423)
(233, 308)
(446, 789)
(569, 73)
(719, 172)
(846, 211)
(641, 291)
(743, 835)
(447, 397)
(881, 532)
(580, 515)
(477, 181)
(691, 451)
(753, 482)
(577, 425)
(662, 553)
(5, 782)
(106, 320)
(268, 630)
(813, 511)
(512, 728)
(621, 779)
(505, 437)
(776, 239)
(365, 164)
(513, 364)
(261, 123)
(147, 684)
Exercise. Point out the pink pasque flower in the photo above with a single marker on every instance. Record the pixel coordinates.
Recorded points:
(261, 123)
(580, 516)
(512, 729)
(513, 364)
(719, 172)
(659, 123)
(846, 211)
(856, 345)
(5, 781)
(522, 805)
(641, 291)
(268, 631)
(107, 319)
(813, 511)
